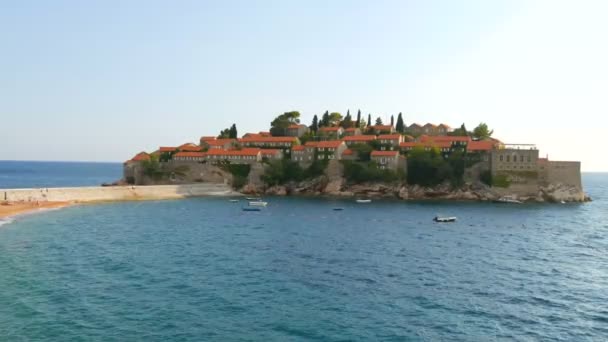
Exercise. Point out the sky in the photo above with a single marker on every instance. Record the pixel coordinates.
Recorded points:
(103, 80)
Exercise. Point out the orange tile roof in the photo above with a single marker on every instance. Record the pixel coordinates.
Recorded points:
(298, 148)
(389, 136)
(190, 154)
(296, 126)
(382, 127)
(348, 152)
(438, 144)
(265, 134)
(141, 156)
(167, 149)
(270, 152)
(189, 147)
(384, 153)
(220, 142)
(485, 145)
(240, 153)
(330, 129)
(269, 139)
(329, 144)
(207, 138)
(311, 144)
(444, 138)
(360, 138)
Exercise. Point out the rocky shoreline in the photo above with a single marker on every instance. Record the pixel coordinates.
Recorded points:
(467, 192)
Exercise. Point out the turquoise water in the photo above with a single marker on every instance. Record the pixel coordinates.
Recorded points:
(201, 269)
(41, 174)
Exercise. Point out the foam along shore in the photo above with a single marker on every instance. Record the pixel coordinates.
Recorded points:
(17, 201)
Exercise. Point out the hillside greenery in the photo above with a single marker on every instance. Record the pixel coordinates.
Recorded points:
(281, 171)
(362, 172)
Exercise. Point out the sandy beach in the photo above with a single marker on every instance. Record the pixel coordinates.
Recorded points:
(8, 209)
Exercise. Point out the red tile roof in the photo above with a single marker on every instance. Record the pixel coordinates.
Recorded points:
(311, 144)
(329, 144)
(190, 154)
(389, 137)
(189, 147)
(348, 152)
(443, 138)
(485, 145)
(167, 149)
(207, 138)
(220, 142)
(240, 153)
(438, 144)
(360, 138)
(141, 156)
(330, 129)
(382, 127)
(269, 139)
(384, 153)
(298, 148)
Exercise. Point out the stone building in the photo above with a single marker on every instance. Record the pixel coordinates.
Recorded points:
(352, 131)
(331, 149)
(296, 130)
(387, 160)
(358, 139)
(331, 132)
(390, 142)
(514, 157)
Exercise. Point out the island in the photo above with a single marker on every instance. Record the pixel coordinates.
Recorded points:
(345, 156)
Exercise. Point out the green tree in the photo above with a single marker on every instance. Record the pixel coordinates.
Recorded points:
(224, 134)
(348, 120)
(278, 126)
(363, 151)
(482, 131)
(392, 121)
(233, 134)
(378, 121)
(358, 124)
(325, 119)
(335, 118)
(400, 127)
(315, 124)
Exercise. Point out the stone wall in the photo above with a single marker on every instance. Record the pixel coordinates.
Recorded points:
(564, 172)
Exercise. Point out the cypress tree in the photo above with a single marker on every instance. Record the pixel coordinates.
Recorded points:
(392, 120)
(315, 124)
(369, 120)
(358, 119)
(325, 119)
(233, 132)
(400, 127)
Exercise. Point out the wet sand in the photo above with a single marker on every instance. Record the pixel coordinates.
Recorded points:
(8, 209)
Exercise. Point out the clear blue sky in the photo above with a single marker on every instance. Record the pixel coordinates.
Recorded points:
(102, 80)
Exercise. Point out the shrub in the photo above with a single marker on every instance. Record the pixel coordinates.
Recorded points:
(501, 181)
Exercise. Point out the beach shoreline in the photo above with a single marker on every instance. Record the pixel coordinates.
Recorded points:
(11, 209)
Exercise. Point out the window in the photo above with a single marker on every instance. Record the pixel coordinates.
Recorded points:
(500, 158)
(521, 159)
(529, 159)
(508, 159)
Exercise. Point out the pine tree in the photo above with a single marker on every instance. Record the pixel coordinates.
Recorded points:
(369, 120)
(400, 127)
(233, 134)
(378, 121)
(358, 124)
(348, 120)
(315, 124)
(325, 119)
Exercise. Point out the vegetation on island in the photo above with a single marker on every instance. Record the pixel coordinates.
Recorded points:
(278, 172)
(229, 133)
(362, 172)
(239, 172)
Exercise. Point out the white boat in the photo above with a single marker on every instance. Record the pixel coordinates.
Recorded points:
(444, 219)
(364, 201)
(234, 200)
(253, 198)
(258, 204)
(508, 199)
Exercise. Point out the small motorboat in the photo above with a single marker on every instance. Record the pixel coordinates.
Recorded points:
(258, 204)
(234, 200)
(338, 209)
(508, 199)
(364, 201)
(444, 219)
(253, 198)
(252, 209)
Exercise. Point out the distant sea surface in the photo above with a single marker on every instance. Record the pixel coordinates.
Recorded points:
(38, 174)
(203, 270)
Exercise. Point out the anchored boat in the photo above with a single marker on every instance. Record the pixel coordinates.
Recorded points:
(444, 219)
(508, 199)
(258, 204)
(364, 201)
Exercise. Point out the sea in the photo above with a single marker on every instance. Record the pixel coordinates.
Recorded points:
(204, 270)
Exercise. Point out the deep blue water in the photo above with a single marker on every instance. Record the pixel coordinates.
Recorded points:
(201, 269)
(38, 174)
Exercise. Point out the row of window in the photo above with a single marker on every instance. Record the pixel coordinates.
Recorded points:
(521, 158)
